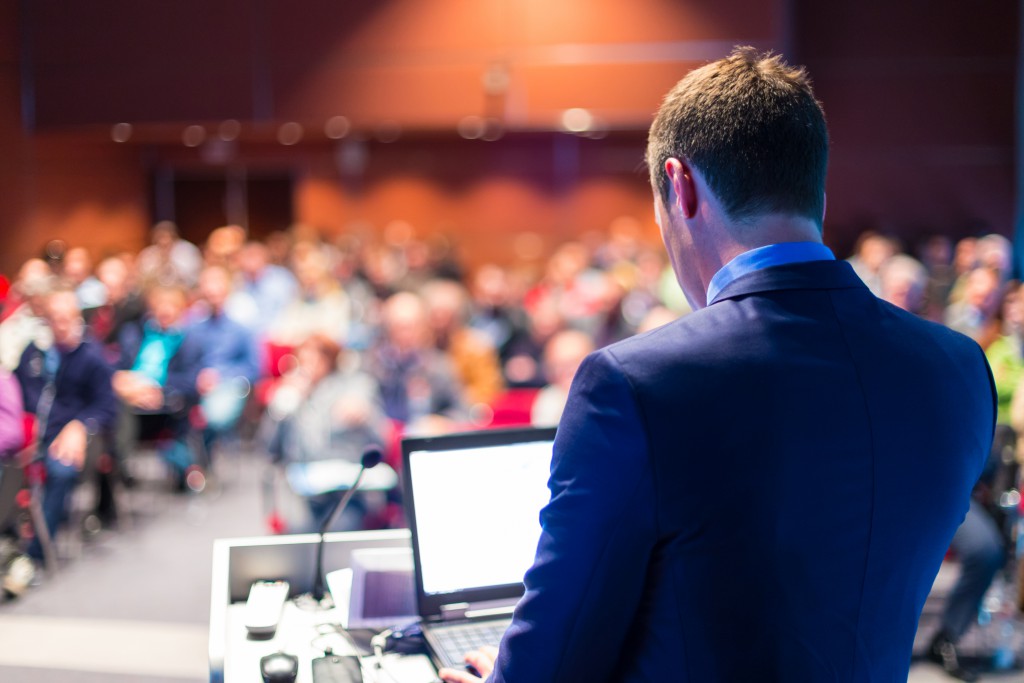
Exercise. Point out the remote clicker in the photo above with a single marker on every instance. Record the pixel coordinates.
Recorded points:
(264, 606)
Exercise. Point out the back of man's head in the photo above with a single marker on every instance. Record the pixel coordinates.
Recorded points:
(750, 124)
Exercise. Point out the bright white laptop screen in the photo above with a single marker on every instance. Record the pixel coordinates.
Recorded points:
(477, 513)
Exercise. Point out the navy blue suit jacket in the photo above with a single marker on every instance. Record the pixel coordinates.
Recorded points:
(760, 491)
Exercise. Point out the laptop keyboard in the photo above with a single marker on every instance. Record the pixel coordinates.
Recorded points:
(455, 640)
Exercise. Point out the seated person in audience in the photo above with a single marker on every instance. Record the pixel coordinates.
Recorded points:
(262, 289)
(68, 388)
(470, 352)
(76, 270)
(123, 306)
(996, 253)
(222, 246)
(903, 282)
(418, 383)
(229, 360)
(494, 312)
(936, 254)
(870, 253)
(156, 380)
(322, 306)
(22, 322)
(169, 260)
(324, 410)
(562, 357)
(523, 353)
(1003, 346)
(973, 313)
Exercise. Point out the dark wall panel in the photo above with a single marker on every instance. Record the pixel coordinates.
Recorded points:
(116, 60)
(920, 102)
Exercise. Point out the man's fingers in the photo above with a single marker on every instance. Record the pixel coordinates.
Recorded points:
(483, 660)
(454, 676)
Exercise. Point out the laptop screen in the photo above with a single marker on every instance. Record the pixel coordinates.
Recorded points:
(475, 501)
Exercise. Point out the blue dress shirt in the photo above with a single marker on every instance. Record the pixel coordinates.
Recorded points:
(780, 254)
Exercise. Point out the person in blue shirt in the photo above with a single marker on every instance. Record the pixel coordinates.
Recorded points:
(229, 364)
(262, 289)
(67, 386)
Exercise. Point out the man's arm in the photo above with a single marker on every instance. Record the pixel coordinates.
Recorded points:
(100, 412)
(598, 533)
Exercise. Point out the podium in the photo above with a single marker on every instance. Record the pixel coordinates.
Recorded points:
(304, 631)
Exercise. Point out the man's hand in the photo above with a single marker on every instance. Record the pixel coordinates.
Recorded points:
(207, 380)
(148, 398)
(482, 660)
(137, 391)
(68, 447)
(124, 383)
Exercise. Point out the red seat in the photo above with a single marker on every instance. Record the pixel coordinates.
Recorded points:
(512, 408)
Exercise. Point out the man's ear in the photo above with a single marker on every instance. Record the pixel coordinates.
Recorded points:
(684, 189)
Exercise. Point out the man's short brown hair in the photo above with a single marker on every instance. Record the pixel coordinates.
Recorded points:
(751, 125)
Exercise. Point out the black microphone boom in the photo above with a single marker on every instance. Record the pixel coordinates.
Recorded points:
(371, 458)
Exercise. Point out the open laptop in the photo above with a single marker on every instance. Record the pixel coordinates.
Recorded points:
(473, 502)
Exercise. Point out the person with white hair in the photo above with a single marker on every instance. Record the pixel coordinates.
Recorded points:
(23, 323)
(903, 282)
(170, 260)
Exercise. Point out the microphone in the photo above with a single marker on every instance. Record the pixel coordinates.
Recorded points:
(371, 458)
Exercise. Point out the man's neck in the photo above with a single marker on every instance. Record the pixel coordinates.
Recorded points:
(739, 238)
(69, 346)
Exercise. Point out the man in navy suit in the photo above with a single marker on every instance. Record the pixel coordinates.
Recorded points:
(762, 490)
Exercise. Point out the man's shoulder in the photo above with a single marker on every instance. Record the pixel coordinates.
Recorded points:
(731, 332)
(690, 332)
(908, 325)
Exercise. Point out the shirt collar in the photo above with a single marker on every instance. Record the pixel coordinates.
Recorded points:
(780, 254)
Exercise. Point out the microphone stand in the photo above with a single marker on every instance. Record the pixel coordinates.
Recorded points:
(371, 458)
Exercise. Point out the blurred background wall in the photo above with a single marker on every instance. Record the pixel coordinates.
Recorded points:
(503, 126)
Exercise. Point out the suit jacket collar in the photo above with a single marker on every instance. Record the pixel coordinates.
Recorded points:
(808, 275)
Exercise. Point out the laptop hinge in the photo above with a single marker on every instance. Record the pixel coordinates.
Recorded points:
(477, 610)
(454, 611)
